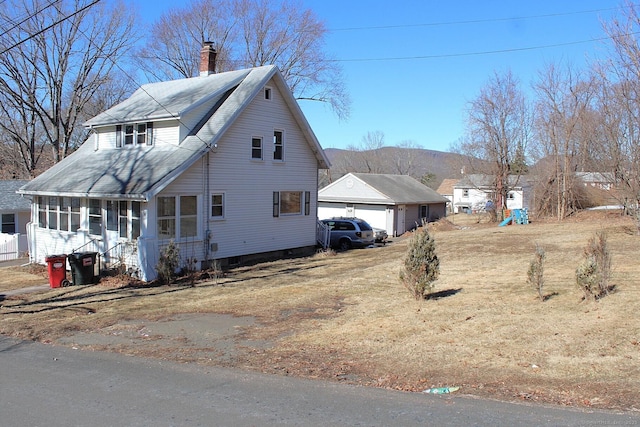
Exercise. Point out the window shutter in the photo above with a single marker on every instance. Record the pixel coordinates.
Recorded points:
(150, 133)
(118, 136)
(276, 204)
(307, 202)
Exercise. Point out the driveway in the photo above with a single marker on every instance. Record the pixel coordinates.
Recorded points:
(45, 385)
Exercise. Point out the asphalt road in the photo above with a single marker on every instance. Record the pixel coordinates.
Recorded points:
(46, 385)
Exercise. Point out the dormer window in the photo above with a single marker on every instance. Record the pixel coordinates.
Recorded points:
(134, 134)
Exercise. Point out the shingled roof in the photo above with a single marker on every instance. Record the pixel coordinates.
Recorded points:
(140, 174)
(392, 189)
(9, 199)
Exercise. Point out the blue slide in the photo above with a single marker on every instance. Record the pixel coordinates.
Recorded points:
(505, 222)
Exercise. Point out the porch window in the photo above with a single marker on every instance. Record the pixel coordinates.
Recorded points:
(177, 217)
(217, 206)
(95, 217)
(9, 223)
(69, 213)
(42, 212)
(188, 216)
(112, 215)
(166, 218)
(135, 220)
(278, 145)
(52, 217)
(59, 213)
(129, 219)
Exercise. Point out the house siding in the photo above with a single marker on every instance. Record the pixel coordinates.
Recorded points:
(354, 189)
(248, 185)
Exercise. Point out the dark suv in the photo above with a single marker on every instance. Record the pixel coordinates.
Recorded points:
(349, 233)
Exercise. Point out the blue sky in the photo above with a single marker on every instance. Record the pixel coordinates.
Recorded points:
(411, 67)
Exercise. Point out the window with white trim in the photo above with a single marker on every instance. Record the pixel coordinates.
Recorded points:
(217, 206)
(188, 216)
(59, 213)
(9, 223)
(267, 93)
(134, 134)
(124, 216)
(424, 211)
(177, 217)
(465, 192)
(95, 217)
(256, 148)
(278, 145)
(291, 203)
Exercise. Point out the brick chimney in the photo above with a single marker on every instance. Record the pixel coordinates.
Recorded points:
(207, 59)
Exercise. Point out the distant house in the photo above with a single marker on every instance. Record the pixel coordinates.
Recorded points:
(225, 165)
(15, 211)
(396, 203)
(599, 180)
(445, 189)
(471, 193)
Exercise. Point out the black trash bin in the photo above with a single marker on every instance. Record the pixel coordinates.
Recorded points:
(83, 267)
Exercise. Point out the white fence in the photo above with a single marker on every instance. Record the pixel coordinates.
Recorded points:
(12, 246)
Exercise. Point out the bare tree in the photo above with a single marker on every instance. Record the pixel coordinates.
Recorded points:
(619, 105)
(173, 49)
(498, 132)
(56, 58)
(249, 33)
(564, 104)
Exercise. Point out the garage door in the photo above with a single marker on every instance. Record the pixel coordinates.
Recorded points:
(375, 215)
(330, 210)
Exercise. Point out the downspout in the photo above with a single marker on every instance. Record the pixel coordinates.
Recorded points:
(206, 208)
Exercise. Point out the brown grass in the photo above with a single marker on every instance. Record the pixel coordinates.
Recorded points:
(347, 317)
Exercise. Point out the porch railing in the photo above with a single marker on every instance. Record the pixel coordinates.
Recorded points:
(323, 234)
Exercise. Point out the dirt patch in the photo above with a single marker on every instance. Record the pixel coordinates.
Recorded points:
(185, 337)
(346, 317)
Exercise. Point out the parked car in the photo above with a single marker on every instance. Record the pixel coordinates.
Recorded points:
(380, 235)
(347, 233)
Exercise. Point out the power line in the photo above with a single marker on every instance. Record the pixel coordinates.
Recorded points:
(32, 15)
(486, 52)
(49, 26)
(472, 21)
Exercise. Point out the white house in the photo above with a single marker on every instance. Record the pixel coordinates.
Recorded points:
(225, 165)
(396, 203)
(15, 212)
(445, 189)
(471, 193)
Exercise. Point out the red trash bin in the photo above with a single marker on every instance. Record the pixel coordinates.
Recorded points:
(56, 265)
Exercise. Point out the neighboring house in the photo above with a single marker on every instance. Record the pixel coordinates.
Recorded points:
(396, 203)
(599, 180)
(15, 211)
(471, 193)
(445, 189)
(225, 165)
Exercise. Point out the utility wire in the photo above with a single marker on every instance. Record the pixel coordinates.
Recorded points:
(50, 26)
(17, 24)
(486, 52)
(472, 21)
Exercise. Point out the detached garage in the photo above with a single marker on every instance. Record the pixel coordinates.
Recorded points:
(396, 203)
